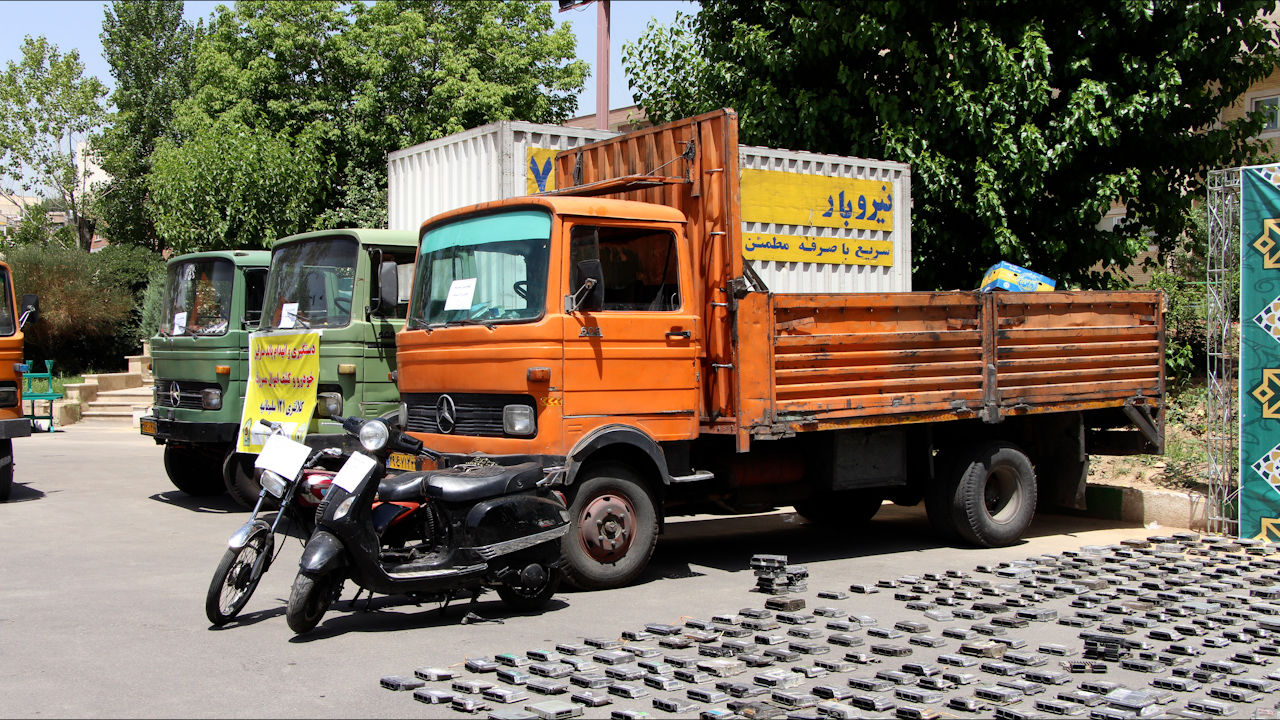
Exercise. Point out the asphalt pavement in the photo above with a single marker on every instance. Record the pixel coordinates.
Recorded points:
(104, 568)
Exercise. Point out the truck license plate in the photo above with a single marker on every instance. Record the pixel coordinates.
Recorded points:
(148, 427)
(402, 461)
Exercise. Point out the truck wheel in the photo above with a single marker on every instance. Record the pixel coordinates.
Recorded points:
(193, 470)
(238, 480)
(613, 529)
(989, 499)
(848, 508)
(6, 470)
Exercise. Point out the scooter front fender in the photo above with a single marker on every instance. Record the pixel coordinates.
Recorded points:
(323, 554)
(240, 537)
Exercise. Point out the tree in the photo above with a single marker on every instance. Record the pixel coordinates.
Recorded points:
(1023, 121)
(47, 107)
(339, 85)
(148, 46)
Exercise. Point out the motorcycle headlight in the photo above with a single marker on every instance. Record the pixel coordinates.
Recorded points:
(273, 483)
(374, 435)
(211, 399)
(518, 420)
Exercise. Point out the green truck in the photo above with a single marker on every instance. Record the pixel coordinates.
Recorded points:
(351, 285)
(212, 300)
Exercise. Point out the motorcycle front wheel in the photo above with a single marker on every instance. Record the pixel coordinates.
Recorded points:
(310, 599)
(235, 580)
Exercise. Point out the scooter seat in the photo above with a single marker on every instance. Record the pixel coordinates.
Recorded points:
(454, 485)
(405, 487)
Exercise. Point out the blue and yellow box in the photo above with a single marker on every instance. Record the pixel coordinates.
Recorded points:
(1007, 276)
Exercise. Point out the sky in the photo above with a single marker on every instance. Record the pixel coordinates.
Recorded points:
(77, 23)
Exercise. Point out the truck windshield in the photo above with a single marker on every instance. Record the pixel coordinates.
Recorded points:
(484, 270)
(310, 284)
(7, 325)
(198, 297)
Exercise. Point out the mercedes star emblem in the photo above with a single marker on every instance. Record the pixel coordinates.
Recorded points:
(446, 414)
(175, 394)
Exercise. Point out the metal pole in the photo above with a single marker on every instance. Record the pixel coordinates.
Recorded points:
(602, 64)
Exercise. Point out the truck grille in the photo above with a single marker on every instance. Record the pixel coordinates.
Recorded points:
(474, 414)
(188, 396)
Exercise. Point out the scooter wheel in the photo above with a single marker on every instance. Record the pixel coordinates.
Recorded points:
(523, 598)
(310, 599)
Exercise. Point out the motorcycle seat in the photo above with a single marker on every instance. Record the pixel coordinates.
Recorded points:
(405, 487)
(481, 483)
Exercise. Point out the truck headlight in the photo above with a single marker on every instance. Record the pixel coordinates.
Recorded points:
(374, 435)
(211, 399)
(329, 404)
(518, 420)
(273, 483)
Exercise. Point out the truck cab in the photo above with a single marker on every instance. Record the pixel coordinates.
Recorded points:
(200, 361)
(352, 286)
(12, 422)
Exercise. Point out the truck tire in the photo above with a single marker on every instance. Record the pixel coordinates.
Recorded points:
(238, 480)
(6, 470)
(987, 498)
(193, 470)
(613, 528)
(847, 508)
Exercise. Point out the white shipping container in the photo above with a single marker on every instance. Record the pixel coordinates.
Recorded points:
(819, 277)
(492, 162)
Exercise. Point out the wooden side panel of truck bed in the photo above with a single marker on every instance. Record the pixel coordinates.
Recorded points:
(814, 362)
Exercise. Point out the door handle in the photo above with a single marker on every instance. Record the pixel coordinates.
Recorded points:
(680, 334)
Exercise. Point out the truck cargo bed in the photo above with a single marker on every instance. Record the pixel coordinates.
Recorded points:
(825, 361)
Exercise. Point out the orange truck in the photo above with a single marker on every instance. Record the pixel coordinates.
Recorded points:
(13, 423)
(664, 336)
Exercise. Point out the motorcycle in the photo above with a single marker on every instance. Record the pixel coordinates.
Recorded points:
(294, 485)
(432, 535)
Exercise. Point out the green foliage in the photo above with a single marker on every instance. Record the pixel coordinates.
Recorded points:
(46, 106)
(148, 46)
(294, 106)
(37, 228)
(1022, 121)
(151, 309)
(84, 314)
(128, 266)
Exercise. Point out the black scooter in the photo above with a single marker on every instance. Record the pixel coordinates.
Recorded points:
(433, 535)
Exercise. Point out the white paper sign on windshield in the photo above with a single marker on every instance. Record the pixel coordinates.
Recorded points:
(282, 456)
(179, 323)
(461, 293)
(288, 315)
(353, 471)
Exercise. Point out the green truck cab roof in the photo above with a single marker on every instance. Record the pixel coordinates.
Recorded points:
(364, 236)
(242, 258)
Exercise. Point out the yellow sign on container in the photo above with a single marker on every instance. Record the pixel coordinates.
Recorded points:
(787, 198)
(802, 248)
(284, 368)
(540, 170)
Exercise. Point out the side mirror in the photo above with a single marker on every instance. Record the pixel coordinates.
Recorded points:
(589, 296)
(30, 310)
(388, 288)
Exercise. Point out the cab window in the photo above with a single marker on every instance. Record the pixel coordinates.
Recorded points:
(640, 266)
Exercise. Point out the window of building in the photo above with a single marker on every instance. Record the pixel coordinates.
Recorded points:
(1270, 107)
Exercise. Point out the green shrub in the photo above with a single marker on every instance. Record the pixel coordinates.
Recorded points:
(84, 314)
(151, 310)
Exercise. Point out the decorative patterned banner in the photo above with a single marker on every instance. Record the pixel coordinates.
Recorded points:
(284, 368)
(1259, 351)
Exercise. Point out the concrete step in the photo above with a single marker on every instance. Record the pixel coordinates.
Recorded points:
(101, 406)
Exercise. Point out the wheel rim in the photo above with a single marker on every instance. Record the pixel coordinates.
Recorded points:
(1001, 495)
(240, 579)
(607, 527)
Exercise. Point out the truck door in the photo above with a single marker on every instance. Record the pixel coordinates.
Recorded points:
(636, 357)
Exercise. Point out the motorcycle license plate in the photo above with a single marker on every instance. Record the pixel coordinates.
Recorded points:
(148, 427)
(402, 461)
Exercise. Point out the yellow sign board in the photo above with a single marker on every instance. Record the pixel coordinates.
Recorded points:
(540, 170)
(284, 369)
(787, 198)
(802, 248)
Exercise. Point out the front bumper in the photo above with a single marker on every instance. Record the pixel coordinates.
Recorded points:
(185, 431)
(15, 427)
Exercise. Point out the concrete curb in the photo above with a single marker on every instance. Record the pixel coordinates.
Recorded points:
(1163, 507)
